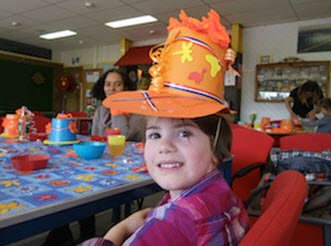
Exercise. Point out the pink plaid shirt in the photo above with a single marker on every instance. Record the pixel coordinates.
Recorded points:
(206, 214)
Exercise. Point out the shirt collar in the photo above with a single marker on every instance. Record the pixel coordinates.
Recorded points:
(209, 178)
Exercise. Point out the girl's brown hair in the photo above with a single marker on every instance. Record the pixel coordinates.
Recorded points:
(208, 125)
(325, 103)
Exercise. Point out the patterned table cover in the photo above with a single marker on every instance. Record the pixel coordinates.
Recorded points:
(66, 178)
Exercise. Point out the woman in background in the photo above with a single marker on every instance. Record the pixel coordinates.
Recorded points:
(303, 100)
(111, 82)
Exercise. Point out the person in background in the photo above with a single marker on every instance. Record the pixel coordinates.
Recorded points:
(111, 82)
(302, 100)
(185, 140)
(323, 124)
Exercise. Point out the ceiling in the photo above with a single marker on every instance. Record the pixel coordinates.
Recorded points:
(36, 17)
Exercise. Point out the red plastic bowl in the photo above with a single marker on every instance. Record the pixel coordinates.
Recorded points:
(30, 162)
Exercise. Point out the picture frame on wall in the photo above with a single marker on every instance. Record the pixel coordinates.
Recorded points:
(265, 59)
(315, 38)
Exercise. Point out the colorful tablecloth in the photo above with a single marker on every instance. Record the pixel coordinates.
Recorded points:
(66, 176)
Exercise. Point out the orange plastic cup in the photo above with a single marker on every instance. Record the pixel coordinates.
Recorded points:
(10, 124)
(116, 144)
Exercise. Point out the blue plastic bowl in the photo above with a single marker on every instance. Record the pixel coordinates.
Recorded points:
(89, 150)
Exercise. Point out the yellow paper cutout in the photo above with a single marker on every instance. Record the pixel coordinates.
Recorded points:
(8, 183)
(131, 177)
(215, 66)
(81, 189)
(6, 207)
(34, 149)
(111, 165)
(186, 52)
(86, 178)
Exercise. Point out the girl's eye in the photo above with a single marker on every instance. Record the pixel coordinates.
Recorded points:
(118, 84)
(184, 134)
(154, 135)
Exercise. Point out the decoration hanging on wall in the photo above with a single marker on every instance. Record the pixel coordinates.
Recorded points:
(38, 79)
(291, 59)
(66, 83)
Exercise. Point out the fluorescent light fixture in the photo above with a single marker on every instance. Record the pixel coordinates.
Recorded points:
(59, 34)
(131, 21)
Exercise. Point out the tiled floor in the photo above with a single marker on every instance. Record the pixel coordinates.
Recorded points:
(103, 223)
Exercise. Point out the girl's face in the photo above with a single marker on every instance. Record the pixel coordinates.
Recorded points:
(113, 83)
(177, 153)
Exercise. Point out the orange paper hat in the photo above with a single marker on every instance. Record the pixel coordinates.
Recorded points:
(188, 72)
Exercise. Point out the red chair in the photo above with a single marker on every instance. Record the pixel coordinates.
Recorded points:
(309, 231)
(280, 212)
(78, 114)
(41, 122)
(250, 150)
(83, 124)
(315, 142)
(38, 113)
(1, 127)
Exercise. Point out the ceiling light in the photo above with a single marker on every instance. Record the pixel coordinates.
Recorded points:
(89, 5)
(59, 34)
(15, 23)
(131, 22)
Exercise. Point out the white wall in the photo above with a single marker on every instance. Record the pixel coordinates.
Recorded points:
(280, 41)
(97, 55)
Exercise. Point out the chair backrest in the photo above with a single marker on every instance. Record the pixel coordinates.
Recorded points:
(248, 147)
(41, 122)
(1, 127)
(280, 213)
(306, 141)
(78, 114)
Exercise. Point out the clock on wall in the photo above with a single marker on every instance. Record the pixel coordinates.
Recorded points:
(38, 79)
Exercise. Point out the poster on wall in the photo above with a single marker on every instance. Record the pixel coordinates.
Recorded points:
(314, 38)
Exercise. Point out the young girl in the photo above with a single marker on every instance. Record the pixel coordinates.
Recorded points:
(185, 141)
(323, 124)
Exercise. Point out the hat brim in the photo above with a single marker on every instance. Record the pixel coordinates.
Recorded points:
(163, 104)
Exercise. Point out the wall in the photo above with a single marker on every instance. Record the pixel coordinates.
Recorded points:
(280, 41)
(98, 56)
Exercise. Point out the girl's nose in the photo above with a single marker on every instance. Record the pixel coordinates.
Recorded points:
(166, 145)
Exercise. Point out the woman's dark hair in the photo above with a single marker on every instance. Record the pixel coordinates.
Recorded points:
(208, 125)
(310, 86)
(98, 91)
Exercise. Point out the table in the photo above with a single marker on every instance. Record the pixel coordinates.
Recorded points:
(70, 188)
(277, 135)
